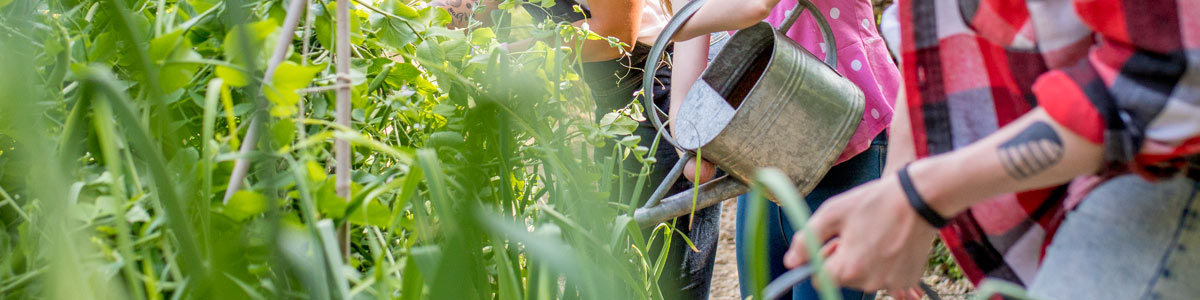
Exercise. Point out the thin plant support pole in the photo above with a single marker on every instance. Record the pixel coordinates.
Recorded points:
(341, 150)
(242, 165)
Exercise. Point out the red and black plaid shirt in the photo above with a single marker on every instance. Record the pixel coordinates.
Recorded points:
(973, 66)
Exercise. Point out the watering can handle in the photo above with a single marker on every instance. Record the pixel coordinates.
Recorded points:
(826, 29)
(656, 52)
(672, 27)
(784, 283)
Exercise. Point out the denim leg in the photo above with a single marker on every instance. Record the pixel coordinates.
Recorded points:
(1128, 239)
(776, 243)
(860, 169)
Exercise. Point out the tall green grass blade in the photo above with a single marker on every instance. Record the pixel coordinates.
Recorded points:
(163, 183)
(336, 268)
(797, 211)
(756, 242)
(107, 136)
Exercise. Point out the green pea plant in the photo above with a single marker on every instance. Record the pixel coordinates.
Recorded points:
(474, 169)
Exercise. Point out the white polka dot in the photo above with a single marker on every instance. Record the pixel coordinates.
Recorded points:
(823, 47)
(866, 24)
(856, 65)
(788, 12)
(834, 13)
(875, 113)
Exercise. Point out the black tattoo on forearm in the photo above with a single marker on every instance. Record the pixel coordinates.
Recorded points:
(1032, 151)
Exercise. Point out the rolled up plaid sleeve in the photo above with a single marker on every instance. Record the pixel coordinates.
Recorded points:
(1137, 92)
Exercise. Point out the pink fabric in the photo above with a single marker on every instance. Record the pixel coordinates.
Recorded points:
(862, 57)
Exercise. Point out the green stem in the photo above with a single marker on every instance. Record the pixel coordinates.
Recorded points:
(107, 136)
(164, 184)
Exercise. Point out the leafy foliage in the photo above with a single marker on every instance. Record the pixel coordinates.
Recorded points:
(475, 174)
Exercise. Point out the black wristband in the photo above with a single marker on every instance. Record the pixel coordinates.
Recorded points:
(918, 203)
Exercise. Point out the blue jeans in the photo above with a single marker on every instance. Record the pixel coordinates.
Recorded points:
(1129, 239)
(864, 167)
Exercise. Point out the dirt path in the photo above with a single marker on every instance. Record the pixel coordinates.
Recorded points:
(725, 277)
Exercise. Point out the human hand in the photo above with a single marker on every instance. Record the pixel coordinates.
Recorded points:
(907, 294)
(881, 242)
(707, 171)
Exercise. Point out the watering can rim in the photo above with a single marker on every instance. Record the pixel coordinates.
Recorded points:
(685, 13)
(656, 52)
(773, 48)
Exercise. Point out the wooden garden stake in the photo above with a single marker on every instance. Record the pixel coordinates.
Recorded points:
(341, 148)
(242, 165)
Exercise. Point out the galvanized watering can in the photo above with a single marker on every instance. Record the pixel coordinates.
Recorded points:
(764, 101)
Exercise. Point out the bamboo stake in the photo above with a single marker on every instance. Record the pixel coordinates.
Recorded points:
(342, 146)
(242, 165)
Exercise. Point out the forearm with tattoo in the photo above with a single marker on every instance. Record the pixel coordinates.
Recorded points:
(1031, 151)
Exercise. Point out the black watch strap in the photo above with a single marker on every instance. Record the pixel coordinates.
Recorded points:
(917, 202)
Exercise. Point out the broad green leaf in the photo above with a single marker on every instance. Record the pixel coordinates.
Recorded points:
(288, 78)
(522, 22)
(435, 16)
(174, 76)
(4, 3)
(325, 25)
(399, 8)
(328, 202)
(173, 46)
(392, 32)
(482, 36)
(376, 214)
(162, 46)
(283, 131)
(232, 77)
(456, 49)
(406, 73)
(245, 204)
(431, 53)
(316, 173)
(616, 124)
(104, 48)
(259, 35)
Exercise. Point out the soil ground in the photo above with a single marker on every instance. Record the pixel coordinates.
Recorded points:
(725, 277)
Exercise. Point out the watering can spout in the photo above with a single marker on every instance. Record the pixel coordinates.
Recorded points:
(709, 194)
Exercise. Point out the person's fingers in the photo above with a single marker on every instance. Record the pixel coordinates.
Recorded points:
(823, 225)
(796, 254)
(830, 247)
(906, 294)
(841, 268)
(707, 171)
(689, 170)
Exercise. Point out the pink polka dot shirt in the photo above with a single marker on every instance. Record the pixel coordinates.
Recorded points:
(862, 57)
